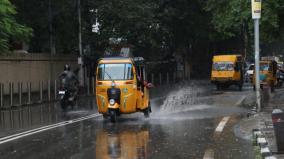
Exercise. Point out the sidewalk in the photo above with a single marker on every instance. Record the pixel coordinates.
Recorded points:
(262, 120)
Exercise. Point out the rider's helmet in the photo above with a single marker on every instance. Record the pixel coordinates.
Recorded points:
(67, 68)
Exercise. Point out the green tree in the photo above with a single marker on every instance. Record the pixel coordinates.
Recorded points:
(9, 28)
(152, 25)
(232, 19)
(54, 23)
(132, 20)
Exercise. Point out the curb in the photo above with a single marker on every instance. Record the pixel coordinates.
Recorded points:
(260, 141)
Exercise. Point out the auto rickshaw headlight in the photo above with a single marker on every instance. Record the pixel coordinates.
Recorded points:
(111, 101)
(112, 84)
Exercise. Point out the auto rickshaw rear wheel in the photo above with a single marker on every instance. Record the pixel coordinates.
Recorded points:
(218, 87)
(146, 112)
(240, 85)
(272, 88)
(112, 114)
(105, 116)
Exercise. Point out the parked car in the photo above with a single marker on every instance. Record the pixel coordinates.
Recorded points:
(249, 73)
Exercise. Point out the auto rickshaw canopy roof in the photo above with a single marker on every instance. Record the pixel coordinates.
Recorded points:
(138, 61)
(115, 60)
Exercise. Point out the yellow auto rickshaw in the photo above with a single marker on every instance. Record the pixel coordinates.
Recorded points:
(121, 87)
(227, 70)
(267, 74)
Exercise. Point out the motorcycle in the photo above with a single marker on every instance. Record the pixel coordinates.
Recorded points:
(67, 98)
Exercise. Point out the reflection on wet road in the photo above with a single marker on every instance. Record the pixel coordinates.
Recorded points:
(25, 118)
(125, 144)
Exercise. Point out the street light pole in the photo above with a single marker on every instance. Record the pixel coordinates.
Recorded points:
(256, 44)
(80, 60)
(256, 14)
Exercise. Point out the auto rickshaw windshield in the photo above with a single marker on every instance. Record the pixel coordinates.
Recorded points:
(119, 71)
(264, 67)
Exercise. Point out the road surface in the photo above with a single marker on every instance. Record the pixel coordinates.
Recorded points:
(192, 121)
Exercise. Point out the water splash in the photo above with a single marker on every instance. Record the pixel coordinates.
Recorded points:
(185, 97)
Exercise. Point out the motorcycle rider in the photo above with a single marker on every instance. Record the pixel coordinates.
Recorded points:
(69, 80)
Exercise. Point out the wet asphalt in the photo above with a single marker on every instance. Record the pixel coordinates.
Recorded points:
(182, 125)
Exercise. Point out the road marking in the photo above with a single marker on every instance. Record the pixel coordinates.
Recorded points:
(209, 154)
(240, 101)
(222, 124)
(44, 128)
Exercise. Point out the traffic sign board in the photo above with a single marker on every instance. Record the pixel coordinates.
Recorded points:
(256, 9)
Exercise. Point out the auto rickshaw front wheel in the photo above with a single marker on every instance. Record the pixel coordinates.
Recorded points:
(113, 115)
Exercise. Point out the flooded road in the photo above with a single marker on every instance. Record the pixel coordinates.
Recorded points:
(183, 125)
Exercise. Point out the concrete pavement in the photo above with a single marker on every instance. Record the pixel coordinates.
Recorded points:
(262, 120)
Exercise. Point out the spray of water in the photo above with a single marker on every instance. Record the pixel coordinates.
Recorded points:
(186, 97)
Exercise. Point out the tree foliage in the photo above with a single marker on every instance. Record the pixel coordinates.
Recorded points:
(56, 18)
(233, 18)
(155, 26)
(160, 25)
(9, 28)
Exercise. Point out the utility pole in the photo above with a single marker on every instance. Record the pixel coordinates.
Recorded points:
(256, 14)
(256, 58)
(80, 58)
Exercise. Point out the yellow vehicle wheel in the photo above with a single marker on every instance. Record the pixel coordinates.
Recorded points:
(113, 115)
(146, 112)
(272, 88)
(218, 87)
(105, 116)
(240, 85)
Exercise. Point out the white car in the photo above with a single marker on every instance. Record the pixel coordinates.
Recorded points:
(249, 73)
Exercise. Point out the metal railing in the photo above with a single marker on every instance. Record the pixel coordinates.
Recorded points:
(26, 93)
(160, 79)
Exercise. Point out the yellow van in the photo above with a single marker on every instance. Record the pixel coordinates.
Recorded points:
(227, 70)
